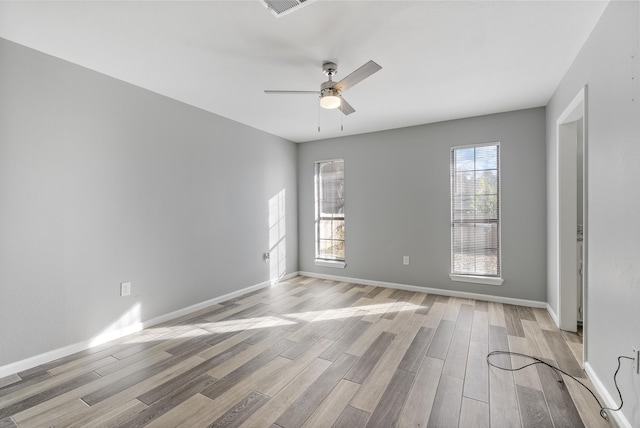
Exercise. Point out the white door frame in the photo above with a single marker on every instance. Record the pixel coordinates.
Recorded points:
(567, 264)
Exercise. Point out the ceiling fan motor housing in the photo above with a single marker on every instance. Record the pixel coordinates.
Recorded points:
(329, 69)
(327, 88)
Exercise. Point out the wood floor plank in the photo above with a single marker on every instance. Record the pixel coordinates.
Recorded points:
(465, 317)
(562, 354)
(166, 388)
(330, 409)
(374, 292)
(225, 383)
(496, 314)
(182, 412)
(346, 340)
(528, 376)
(536, 340)
(455, 363)
(343, 327)
(419, 402)
(533, 408)
(310, 399)
(201, 411)
(526, 313)
(387, 411)
(543, 319)
(48, 394)
(303, 344)
(503, 403)
(375, 384)
(167, 402)
(433, 318)
(365, 364)
(101, 350)
(351, 418)
(412, 359)
(34, 385)
(278, 380)
(480, 327)
(513, 321)
(89, 413)
(271, 411)
(476, 381)
(134, 378)
(441, 339)
(241, 411)
(498, 341)
(561, 407)
(7, 423)
(367, 337)
(12, 379)
(451, 309)
(446, 407)
(43, 419)
(180, 334)
(481, 305)
(426, 304)
(250, 337)
(243, 357)
(586, 405)
(474, 413)
(236, 393)
(111, 418)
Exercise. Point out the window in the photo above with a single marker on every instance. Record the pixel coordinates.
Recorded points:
(475, 213)
(329, 184)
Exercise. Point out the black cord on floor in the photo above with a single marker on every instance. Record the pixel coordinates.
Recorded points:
(603, 410)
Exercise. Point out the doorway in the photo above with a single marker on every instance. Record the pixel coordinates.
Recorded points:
(572, 215)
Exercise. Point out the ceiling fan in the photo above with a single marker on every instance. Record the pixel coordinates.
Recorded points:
(331, 92)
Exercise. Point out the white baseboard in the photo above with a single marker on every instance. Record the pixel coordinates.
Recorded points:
(442, 292)
(52, 355)
(617, 417)
(553, 315)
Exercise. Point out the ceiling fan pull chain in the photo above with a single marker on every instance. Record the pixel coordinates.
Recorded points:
(318, 117)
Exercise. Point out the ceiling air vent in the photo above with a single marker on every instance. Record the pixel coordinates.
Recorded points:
(283, 7)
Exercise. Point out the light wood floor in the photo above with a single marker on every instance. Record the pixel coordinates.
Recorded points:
(315, 353)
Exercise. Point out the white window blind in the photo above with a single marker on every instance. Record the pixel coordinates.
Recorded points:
(329, 191)
(475, 210)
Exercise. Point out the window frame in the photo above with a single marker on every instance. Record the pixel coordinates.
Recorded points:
(477, 278)
(334, 262)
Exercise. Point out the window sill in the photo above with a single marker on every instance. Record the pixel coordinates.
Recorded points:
(489, 280)
(331, 263)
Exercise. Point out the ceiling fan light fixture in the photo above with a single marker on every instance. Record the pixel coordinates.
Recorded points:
(330, 102)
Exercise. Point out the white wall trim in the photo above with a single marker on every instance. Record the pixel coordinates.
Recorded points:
(618, 417)
(475, 279)
(48, 356)
(331, 263)
(553, 315)
(442, 292)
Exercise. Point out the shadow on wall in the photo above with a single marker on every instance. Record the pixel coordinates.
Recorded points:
(277, 234)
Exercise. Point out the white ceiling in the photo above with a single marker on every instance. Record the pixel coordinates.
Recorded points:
(441, 59)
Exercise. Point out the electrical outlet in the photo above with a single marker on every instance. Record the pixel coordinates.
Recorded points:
(125, 289)
(405, 260)
(266, 257)
(636, 362)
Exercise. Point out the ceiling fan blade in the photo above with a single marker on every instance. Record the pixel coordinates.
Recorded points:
(345, 107)
(357, 76)
(267, 91)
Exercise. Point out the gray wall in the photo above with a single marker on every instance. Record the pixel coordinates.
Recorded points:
(608, 63)
(102, 182)
(397, 202)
